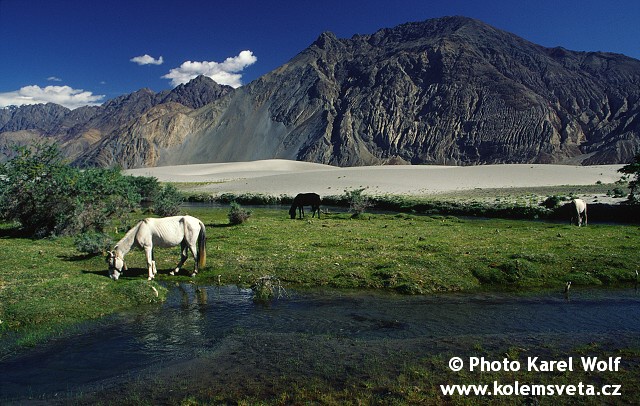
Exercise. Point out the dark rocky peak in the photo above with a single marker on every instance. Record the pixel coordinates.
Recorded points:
(196, 93)
(5, 115)
(426, 30)
(325, 40)
(33, 117)
(143, 96)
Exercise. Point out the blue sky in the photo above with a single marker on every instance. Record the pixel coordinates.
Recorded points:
(78, 52)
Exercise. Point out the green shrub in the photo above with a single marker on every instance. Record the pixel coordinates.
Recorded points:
(167, 201)
(34, 190)
(553, 202)
(618, 192)
(267, 288)
(238, 215)
(146, 186)
(47, 196)
(93, 243)
(358, 202)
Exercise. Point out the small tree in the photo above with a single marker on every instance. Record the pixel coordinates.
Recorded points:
(633, 169)
(358, 202)
(147, 186)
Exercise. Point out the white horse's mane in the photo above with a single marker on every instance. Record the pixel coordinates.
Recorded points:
(126, 243)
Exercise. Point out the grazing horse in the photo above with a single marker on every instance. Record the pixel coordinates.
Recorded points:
(186, 231)
(578, 212)
(305, 199)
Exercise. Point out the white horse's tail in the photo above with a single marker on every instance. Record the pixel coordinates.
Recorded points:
(202, 247)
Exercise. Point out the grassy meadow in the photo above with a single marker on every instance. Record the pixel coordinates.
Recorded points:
(418, 254)
(46, 285)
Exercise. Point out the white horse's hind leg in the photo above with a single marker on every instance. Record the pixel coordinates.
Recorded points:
(184, 254)
(194, 251)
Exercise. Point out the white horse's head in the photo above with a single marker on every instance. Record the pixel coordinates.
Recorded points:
(116, 264)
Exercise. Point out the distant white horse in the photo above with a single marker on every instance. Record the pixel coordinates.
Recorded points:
(578, 212)
(186, 231)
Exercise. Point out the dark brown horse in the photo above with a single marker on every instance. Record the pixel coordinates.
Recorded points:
(305, 199)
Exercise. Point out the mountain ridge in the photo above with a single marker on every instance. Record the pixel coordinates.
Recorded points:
(78, 130)
(452, 90)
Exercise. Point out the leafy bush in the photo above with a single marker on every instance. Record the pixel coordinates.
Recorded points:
(553, 202)
(238, 215)
(93, 243)
(47, 196)
(358, 202)
(147, 187)
(37, 190)
(618, 192)
(101, 195)
(167, 201)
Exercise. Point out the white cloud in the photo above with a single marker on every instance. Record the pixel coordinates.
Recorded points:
(224, 73)
(54, 79)
(63, 95)
(147, 60)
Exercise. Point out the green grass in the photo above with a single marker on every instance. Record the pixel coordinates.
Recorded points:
(417, 254)
(46, 285)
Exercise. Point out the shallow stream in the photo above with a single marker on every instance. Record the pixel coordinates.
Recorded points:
(208, 335)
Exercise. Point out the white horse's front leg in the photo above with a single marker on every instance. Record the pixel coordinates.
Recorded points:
(151, 264)
(152, 270)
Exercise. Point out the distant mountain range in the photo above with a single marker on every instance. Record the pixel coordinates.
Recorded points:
(449, 91)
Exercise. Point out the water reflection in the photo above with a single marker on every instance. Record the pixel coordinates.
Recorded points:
(198, 320)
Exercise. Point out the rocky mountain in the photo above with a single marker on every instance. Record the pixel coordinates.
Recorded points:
(79, 130)
(451, 90)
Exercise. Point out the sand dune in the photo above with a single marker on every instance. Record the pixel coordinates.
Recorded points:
(277, 177)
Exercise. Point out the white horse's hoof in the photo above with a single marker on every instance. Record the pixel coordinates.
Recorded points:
(193, 275)
(172, 273)
(149, 278)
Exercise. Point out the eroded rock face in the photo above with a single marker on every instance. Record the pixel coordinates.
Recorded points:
(446, 91)
(456, 91)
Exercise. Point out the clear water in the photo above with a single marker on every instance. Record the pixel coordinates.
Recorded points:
(198, 322)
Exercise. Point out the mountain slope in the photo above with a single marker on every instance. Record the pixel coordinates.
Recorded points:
(81, 130)
(445, 91)
(451, 90)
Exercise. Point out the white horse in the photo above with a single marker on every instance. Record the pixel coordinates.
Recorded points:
(578, 212)
(186, 231)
